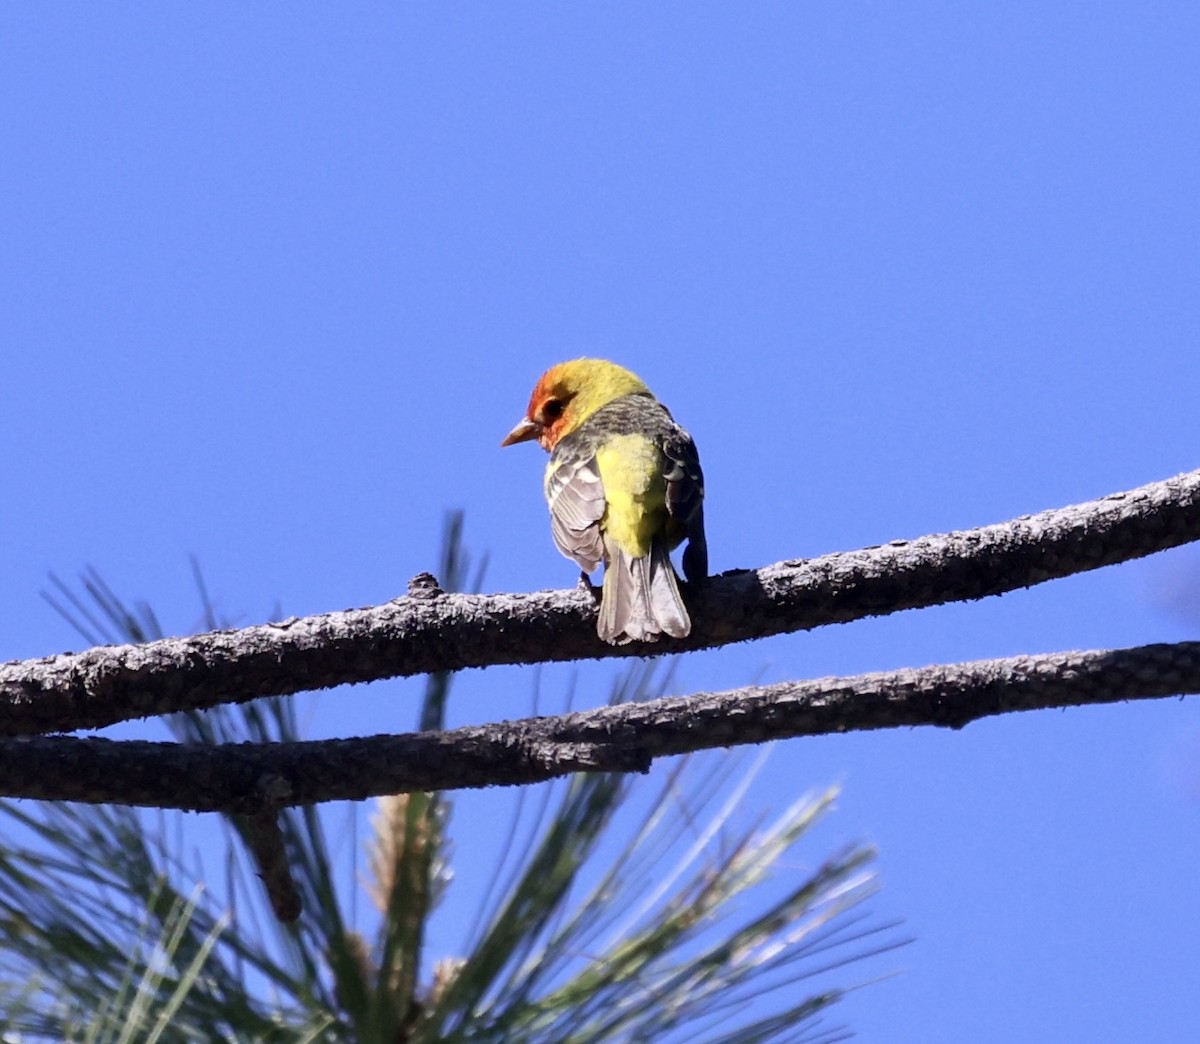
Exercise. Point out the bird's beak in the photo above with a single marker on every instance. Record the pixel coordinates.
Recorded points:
(523, 432)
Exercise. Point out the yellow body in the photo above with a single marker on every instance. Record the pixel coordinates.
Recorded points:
(630, 468)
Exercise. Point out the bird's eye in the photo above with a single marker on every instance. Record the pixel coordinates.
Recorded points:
(552, 409)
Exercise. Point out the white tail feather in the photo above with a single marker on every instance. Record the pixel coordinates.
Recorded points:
(640, 599)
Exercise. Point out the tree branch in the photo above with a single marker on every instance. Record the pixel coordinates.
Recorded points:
(433, 631)
(256, 778)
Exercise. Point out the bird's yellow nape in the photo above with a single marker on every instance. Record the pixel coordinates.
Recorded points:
(568, 394)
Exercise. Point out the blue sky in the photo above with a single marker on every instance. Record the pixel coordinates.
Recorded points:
(277, 279)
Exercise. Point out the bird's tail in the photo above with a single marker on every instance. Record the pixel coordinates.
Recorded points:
(640, 599)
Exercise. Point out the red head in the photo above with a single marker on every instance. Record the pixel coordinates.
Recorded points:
(568, 394)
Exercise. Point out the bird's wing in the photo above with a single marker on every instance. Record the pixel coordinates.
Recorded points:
(575, 494)
(685, 499)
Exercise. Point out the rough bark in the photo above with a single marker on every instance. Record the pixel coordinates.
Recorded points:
(429, 630)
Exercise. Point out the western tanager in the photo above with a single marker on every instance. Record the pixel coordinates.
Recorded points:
(624, 487)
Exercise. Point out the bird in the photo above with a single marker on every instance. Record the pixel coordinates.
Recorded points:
(625, 488)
